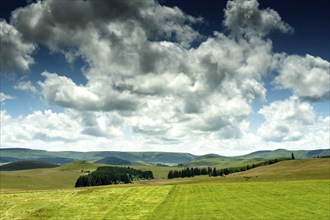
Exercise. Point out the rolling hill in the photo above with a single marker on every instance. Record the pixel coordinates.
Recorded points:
(26, 165)
(254, 157)
(18, 154)
(114, 161)
(152, 158)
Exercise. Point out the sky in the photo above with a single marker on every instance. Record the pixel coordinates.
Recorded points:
(226, 77)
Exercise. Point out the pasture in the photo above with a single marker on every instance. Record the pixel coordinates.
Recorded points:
(295, 189)
(245, 200)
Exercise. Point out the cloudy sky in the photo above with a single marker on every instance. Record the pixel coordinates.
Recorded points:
(199, 76)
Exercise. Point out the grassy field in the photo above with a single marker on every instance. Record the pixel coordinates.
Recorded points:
(295, 189)
(248, 200)
(62, 177)
(291, 170)
(65, 176)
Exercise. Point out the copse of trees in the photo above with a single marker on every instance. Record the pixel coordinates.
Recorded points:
(322, 156)
(190, 172)
(112, 175)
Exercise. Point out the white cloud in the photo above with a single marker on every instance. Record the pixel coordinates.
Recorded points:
(26, 86)
(245, 17)
(62, 91)
(4, 97)
(57, 131)
(86, 131)
(15, 53)
(308, 77)
(286, 120)
(148, 89)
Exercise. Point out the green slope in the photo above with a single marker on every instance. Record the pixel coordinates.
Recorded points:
(303, 169)
(78, 166)
(223, 162)
(61, 177)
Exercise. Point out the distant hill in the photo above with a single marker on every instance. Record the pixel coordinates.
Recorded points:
(8, 159)
(282, 153)
(254, 157)
(134, 157)
(114, 161)
(26, 165)
(210, 156)
(147, 158)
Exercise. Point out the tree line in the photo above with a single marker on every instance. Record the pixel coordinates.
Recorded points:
(322, 157)
(112, 175)
(196, 171)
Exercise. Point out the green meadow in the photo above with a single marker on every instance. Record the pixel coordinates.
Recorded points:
(246, 200)
(297, 189)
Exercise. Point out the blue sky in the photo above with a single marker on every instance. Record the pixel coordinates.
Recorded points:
(201, 77)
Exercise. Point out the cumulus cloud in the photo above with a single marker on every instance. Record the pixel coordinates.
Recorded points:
(141, 70)
(47, 20)
(308, 77)
(26, 86)
(58, 130)
(245, 17)
(286, 120)
(62, 91)
(148, 88)
(4, 97)
(15, 52)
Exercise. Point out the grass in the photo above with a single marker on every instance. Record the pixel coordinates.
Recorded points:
(260, 200)
(65, 176)
(37, 179)
(295, 189)
(62, 177)
(224, 162)
(291, 170)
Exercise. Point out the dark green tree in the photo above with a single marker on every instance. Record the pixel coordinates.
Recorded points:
(170, 175)
(292, 156)
(214, 172)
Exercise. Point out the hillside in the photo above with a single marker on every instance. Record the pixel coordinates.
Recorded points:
(221, 162)
(303, 169)
(113, 161)
(78, 166)
(26, 165)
